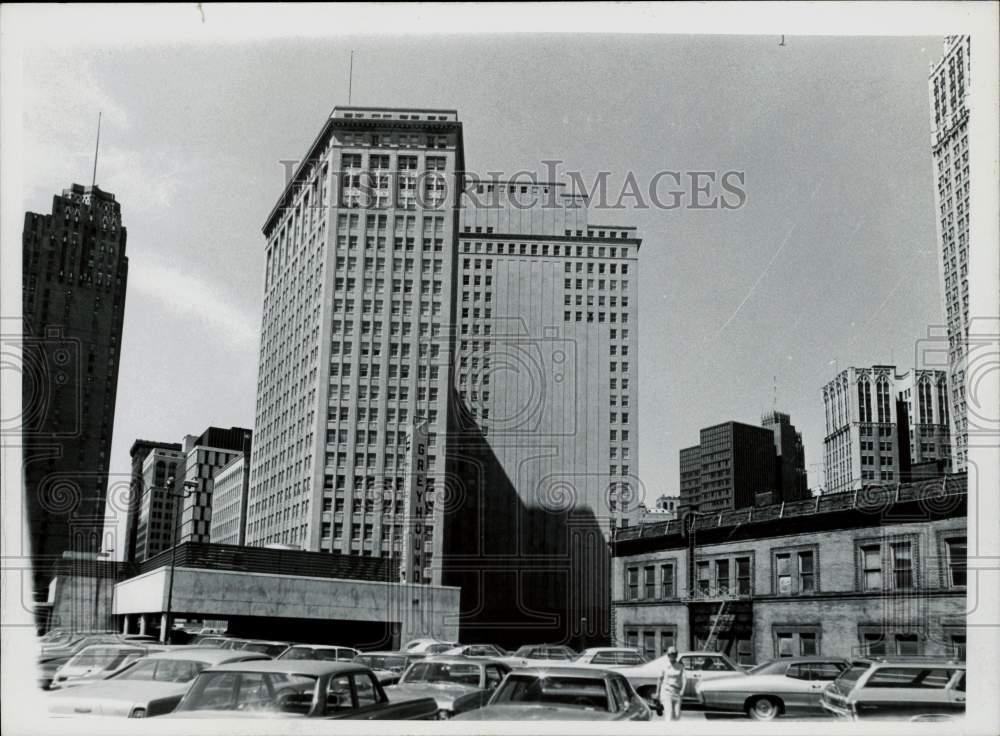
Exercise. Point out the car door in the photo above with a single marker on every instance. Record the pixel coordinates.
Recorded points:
(794, 687)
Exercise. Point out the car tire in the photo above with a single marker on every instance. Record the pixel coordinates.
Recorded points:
(764, 708)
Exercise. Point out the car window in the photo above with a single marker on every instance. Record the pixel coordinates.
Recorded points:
(960, 686)
(585, 693)
(910, 677)
(620, 690)
(826, 671)
(629, 658)
(493, 676)
(365, 689)
(464, 674)
(604, 658)
(695, 663)
(338, 695)
(797, 671)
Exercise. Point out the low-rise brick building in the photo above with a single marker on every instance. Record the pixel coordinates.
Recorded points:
(881, 570)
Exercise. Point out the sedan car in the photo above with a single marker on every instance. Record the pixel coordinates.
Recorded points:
(293, 688)
(457, 684)
(562, 694)
(58, 653)
(786, 686)
(327, 653)
(476, 650)
(611, 657)
(148, 687)
(698, 667)
(387, 666)
(98, 662)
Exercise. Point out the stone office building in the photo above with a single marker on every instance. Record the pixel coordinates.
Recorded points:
(877, 571)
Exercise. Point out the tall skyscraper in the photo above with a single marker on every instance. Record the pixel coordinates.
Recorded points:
(399, 291)
(879, 423)
(949, 92)
(139, 489)
(157, 505)
(790, 472)
(734, 463)
(74, 277)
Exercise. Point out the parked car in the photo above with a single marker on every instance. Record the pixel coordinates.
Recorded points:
(98, 662)
(476, 650)
(698, 667)
(429, 646)
(327, 653)
(457, 684)
(611, 657)
(296, 688)
(538, 654)
(928, 688)
(786, 686)
(388, 666)
(54, 656)
(150, 686)
(562, 694)
(270, 648)
(212, 641)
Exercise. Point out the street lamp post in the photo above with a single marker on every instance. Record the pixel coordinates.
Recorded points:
(189, 487)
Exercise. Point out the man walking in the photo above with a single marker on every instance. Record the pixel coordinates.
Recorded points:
(671, 687)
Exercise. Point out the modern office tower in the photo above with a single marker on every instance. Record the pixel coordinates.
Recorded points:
(229, 501)
(157, 505)
(736, 462)
(139, 452)
(879, 423)
(543, 443)
(790, 472)
(74, 278)
(949, 92)
(357, 332)
(203, 457)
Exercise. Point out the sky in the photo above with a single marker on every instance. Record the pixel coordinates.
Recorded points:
(831, 261)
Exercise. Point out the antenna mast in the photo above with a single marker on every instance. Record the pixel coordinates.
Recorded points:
(350, 79)
(97, 146)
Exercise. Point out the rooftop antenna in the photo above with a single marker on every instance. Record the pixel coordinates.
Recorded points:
(97, 146)
(350, 79)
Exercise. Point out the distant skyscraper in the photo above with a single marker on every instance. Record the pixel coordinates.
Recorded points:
(74, 278)
(790, 472)
(157, 508)
(139, 489)
(949, 85)
(879, 423)
(735, 462)
(203, 456)
(229, 501)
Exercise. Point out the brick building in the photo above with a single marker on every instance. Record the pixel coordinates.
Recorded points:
(881, 570)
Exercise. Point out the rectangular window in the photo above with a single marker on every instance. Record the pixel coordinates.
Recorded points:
(902, 565)
(807, 579)
(871, 567)
(957, 551)
(632, 593)
(784, 574)
(649, 644)
(649, 582)
(667, 581)
(743, 586)
(704, 583)
(722, 577)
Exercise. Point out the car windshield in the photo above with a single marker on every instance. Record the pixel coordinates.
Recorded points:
(250, 691)
(585, 693)
(774, 667)
(449, 672)
(103, 657)
(851, 675)
(162, 670)
(381, 661)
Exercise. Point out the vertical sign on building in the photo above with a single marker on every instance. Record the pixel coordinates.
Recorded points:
(414, 504)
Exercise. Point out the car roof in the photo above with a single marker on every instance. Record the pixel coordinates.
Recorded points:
(902, 661)
(455, 659)
(596, 650)
(565, 671)
(318, 646)
(202, 654)
(311, 667)
(393, 652)
(268, 641)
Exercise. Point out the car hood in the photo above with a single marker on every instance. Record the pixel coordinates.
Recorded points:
(444, 693)
(524, 712)
(113, 697)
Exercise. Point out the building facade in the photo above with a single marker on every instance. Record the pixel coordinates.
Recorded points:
(157, 507)
(949, 95)
(138, 452)
(204, 455)
(229, 501)
(74, 278)
(399, 290)
(879, 423)
(843, 574)
(790, 456)
(735, 462)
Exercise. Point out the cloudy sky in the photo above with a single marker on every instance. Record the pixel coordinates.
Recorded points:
(832, 258)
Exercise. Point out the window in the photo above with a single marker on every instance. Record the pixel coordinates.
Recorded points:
(957, 552)
(702, 578)
(796, 640)
(902, 565)
(649, 582)
(667, 580)
(632, 592)
(794, 572)
(924, 678)
(784, 574)
(878, 642)
(871, 566)
(743, 586)
(722, 577)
